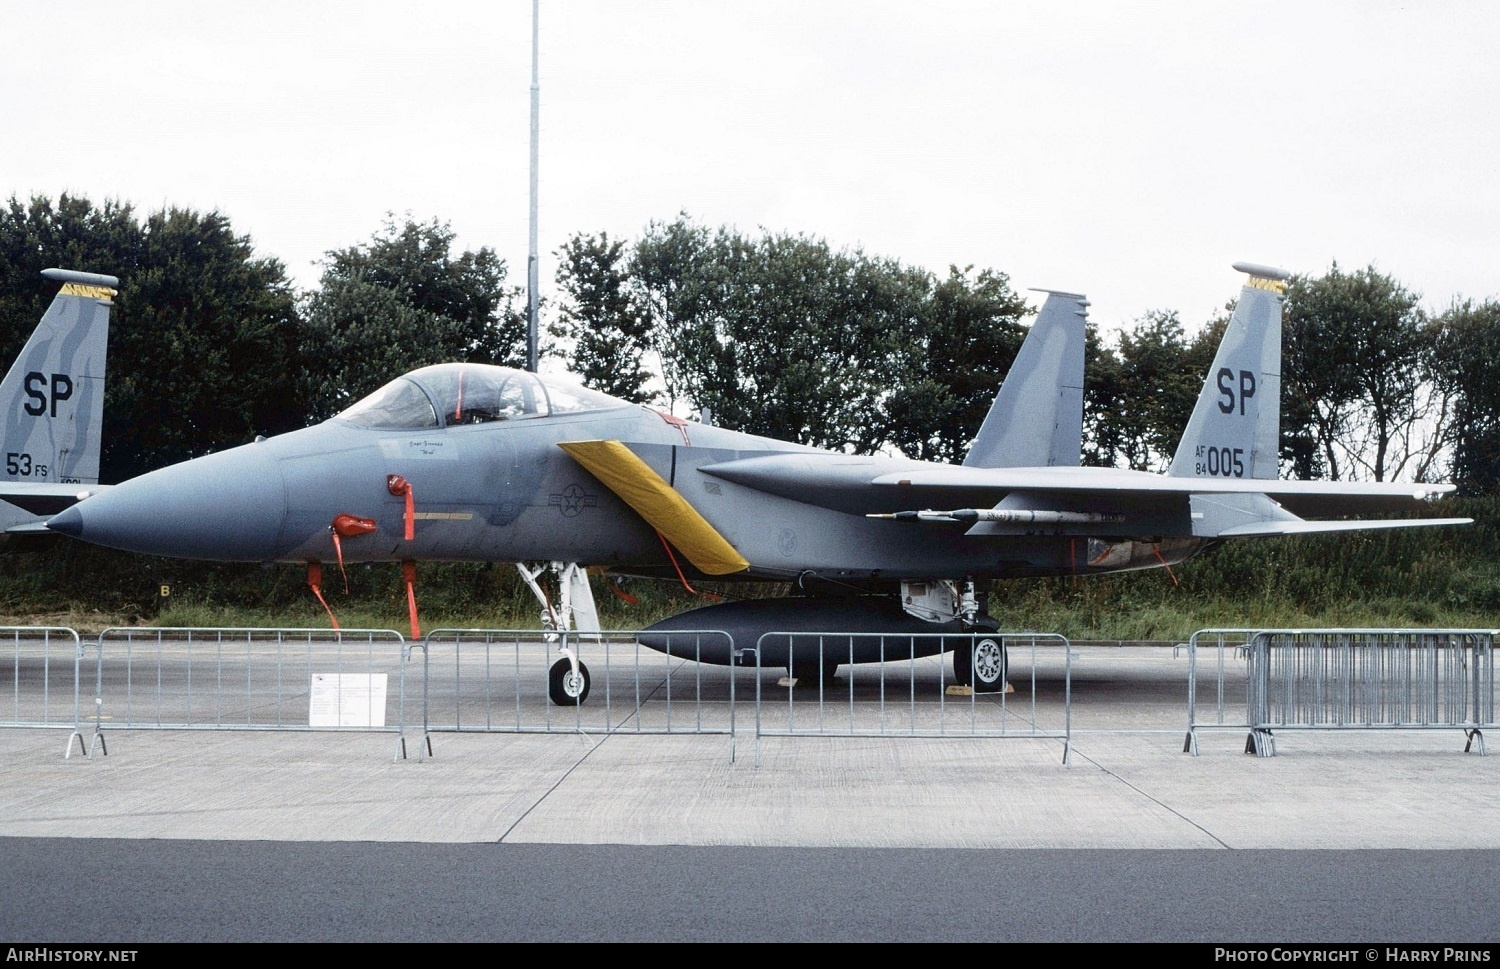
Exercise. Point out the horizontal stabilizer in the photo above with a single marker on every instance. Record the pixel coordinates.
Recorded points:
(1219, 514)
(46, 500)
(1300, 527)
(1245, 515)
(633, 481)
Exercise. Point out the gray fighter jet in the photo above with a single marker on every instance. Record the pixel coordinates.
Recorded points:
(53, 400)
(480, 463)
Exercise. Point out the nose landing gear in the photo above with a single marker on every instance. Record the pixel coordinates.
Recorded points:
(568, 682)
(568, 679)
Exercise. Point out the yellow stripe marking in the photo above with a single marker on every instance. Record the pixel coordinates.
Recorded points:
(632, 479)
(1274, 285)
(444, 516)
(80, 289)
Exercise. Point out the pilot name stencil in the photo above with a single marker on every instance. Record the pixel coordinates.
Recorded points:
(417, 448)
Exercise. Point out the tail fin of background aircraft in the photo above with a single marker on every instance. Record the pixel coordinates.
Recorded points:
(1235, 428)
(53, 396)
(1037, 417)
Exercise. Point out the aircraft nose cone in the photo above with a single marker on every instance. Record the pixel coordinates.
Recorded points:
(228, 506)
(68, 522)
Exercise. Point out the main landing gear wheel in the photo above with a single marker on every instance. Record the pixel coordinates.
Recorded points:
(565, 687)
(981, 665)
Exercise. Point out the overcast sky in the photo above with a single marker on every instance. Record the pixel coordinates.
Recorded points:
(1130, 151)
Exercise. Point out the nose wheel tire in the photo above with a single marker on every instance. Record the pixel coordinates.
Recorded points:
(981, 664)
(566, 687)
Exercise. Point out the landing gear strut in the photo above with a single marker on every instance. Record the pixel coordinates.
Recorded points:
(979, 660)
(568, 679)
(980, 663)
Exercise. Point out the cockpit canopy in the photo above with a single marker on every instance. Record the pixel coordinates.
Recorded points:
(472, 393)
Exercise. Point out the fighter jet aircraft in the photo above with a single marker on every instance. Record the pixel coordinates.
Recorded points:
(479, 463)
(53, 400)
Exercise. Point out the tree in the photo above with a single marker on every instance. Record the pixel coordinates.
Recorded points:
(1159, 387)
(966, 337)
(71, 234)
(1463, 361)
(678, 276)
(1355, 367)
(777, 335)
(203, 348)
(1103, 398)
(205, 355)
(783, 336)
(402, 301)
(602, 318)
(1141, 397)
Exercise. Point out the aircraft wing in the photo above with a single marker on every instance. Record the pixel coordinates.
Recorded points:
(1111, 480)
(1216, 507)
(852, 483)
(1126, 502)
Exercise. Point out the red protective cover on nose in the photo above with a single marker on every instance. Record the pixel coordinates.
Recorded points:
(398, 485)
(351, 525)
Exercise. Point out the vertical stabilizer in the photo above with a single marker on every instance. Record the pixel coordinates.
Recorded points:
(53, 396)
(1236, 426)
(1036, 420)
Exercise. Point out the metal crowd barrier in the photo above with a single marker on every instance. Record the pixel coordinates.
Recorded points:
(1371, 678)
(247, 679)
(1260, 681)
(503, 680)
(45, 688)
(1218, 682)
(1342, 679)
(918, 697)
